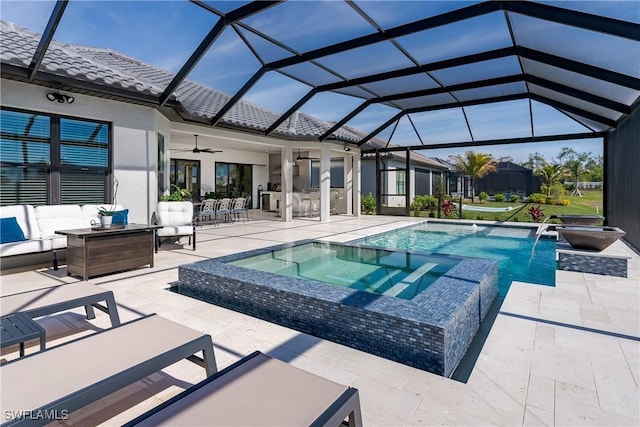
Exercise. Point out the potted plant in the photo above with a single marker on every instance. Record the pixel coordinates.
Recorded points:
(177, 195)
(106, 214)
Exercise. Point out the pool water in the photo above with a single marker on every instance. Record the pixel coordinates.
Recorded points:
(511, 246)
(394, 273)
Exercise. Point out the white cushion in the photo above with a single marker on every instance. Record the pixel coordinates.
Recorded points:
(60, 217)
(26, 247)
(58, 242)
(175, 213)
(26, 217)
(183, 230)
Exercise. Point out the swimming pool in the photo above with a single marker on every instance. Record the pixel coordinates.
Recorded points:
(381, 271)
(430, 331)
(512, 246)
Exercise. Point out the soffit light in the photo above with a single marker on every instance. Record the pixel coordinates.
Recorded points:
(60, 97)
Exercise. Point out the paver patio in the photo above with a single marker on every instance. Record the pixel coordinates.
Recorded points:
(564, 355)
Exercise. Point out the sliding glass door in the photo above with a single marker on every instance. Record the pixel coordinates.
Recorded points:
(186, 175)
(233, 179)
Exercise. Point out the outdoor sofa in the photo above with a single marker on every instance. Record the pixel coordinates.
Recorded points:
(52, 384)
(28, 229)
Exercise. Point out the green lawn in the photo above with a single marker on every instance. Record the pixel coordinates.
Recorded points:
(589, 204)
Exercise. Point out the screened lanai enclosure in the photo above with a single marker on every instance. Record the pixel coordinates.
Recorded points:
(381, 76)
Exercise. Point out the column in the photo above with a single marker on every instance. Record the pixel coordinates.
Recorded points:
(357, 184)
(286, 196)
(348, 183)
(325, 182)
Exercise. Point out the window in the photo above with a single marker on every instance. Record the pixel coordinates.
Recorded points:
(337, 173)
(401, 181)
(48, 159)
(162, 186)
(84, 160)
(185, 174)
(233, 179)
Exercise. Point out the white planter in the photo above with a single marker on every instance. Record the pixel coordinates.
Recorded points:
(105, 221)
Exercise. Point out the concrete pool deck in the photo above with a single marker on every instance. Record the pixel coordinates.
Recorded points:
(564, 355)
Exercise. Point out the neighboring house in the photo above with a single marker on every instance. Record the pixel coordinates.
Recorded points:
(509, 178)
(396, 191)
(90, 114)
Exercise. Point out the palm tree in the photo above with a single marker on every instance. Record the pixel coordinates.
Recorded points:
(550, 173)
(575, 163)
(474, 165)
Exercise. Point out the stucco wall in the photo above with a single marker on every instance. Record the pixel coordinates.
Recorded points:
(134, 139)
(622, 154)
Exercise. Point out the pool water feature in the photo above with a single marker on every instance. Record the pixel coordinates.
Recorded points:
(381, 271)
(512, 246)
(430, 331)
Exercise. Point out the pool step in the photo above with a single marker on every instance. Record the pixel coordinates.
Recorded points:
(410, 279)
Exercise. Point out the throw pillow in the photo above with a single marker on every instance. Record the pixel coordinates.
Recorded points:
(120, 217)
(10, 230)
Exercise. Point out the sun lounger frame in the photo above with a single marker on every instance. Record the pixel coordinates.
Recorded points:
(70, 296)
(345, 405)
(85, 394)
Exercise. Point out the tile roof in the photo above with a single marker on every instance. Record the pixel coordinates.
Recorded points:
(115, 70)
(375, 143)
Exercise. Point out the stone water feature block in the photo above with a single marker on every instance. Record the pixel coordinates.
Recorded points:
(592, 263)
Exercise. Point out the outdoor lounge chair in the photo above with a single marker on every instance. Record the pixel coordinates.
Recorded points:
(176, 219)
(42, 302)
(259, 391)
(75, 374)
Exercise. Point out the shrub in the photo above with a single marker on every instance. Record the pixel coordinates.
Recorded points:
(557, 192)
(536, 213)
(514, 198)
(565, 202)
(448, 208)
(177, 195)
(537, 198)
(416, 206)
(499, 197)
(425, 202)
(550, 201)
(483, 196)
(430, 203)
(432, 214)
(368, 204)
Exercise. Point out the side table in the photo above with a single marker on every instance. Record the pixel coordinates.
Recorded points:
(18, 328)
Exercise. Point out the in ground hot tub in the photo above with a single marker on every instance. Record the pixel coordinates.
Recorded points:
(421, 321)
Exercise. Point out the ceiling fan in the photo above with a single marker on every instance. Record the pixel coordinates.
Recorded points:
(197, 150)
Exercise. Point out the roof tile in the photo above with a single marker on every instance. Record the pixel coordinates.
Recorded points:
(114, 69)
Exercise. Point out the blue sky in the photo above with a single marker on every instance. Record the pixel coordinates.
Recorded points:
(164, 33)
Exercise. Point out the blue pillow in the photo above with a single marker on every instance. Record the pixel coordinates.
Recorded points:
(10, 230)
(120, 217)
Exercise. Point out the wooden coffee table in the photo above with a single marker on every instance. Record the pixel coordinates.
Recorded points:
(95, 251)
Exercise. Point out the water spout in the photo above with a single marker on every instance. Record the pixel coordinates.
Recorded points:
(541, 229)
